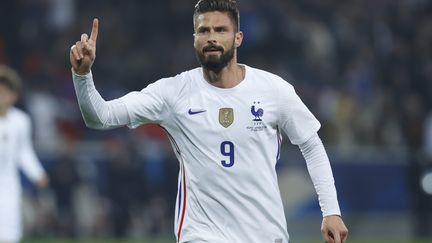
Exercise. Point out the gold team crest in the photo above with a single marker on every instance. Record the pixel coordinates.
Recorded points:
(226, 116)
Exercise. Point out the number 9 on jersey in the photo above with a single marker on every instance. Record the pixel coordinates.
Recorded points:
(227, 149)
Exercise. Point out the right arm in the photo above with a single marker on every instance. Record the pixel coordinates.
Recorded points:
(133, 109)
(97, 112)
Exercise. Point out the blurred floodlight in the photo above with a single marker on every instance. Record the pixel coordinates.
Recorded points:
(426, 183)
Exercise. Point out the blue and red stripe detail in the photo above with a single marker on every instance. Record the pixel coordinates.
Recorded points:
(279, 140)
(181, 211)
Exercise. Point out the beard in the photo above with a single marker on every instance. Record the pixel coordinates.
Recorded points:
(215, 63)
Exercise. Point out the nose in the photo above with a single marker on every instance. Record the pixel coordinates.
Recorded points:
(211, 41)
(211, 37)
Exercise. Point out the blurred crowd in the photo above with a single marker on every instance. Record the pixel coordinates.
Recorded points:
(363, 67)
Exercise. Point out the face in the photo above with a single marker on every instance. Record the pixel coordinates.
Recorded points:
(215, 40)
(7, 97)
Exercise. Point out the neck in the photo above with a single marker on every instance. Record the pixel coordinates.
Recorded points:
(228, 77)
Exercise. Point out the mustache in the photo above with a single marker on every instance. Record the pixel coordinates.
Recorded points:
(212, 47)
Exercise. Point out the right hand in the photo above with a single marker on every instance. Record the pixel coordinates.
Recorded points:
(83, 53)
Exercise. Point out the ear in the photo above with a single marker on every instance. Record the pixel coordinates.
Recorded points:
(194, 40)
(238, 39)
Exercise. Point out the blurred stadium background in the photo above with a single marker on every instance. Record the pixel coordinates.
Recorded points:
(364, 67)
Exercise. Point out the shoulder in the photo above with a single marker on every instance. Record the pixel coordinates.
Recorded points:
(175, 83)
(269, 79)
(180, 78)
(19, 117)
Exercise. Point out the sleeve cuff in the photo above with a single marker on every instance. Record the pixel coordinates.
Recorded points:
(81, 76)
(330, 213)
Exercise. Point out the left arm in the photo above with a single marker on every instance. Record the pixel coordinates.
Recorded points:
(333, 228)
(301, 127)
(28, 161)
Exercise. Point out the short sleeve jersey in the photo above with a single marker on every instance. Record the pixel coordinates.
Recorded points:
(228, 143)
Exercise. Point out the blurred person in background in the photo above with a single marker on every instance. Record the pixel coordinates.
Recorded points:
(16, 152)
(421, 174)
(224, 121)
(64, 180)
(122, 184)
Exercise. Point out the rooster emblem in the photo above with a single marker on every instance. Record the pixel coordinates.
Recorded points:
(257, 113)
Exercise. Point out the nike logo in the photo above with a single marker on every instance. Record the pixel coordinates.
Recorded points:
(195, 111)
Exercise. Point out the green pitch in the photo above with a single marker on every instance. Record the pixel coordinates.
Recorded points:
(172, 241)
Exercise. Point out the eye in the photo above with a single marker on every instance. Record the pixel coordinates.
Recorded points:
(203, 30)
(220, 29)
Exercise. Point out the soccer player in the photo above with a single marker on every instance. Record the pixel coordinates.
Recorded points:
(16, 152)
(224, 120)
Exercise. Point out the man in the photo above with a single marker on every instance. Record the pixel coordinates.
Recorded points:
(16, 152)
(224, 121)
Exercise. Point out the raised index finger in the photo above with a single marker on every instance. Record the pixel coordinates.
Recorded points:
(95, 28)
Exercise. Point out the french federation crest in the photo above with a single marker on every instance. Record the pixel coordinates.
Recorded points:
(226, 116)
(257, 113)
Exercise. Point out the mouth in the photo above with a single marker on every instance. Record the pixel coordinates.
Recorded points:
(213, 50)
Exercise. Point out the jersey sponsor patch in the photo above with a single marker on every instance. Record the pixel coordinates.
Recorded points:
(226, 116)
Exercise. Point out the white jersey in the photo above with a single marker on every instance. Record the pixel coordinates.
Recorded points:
(16, 151)
(228, 143)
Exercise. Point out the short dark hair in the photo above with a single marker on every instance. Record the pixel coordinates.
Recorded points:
(229, 6)
(10, 79)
